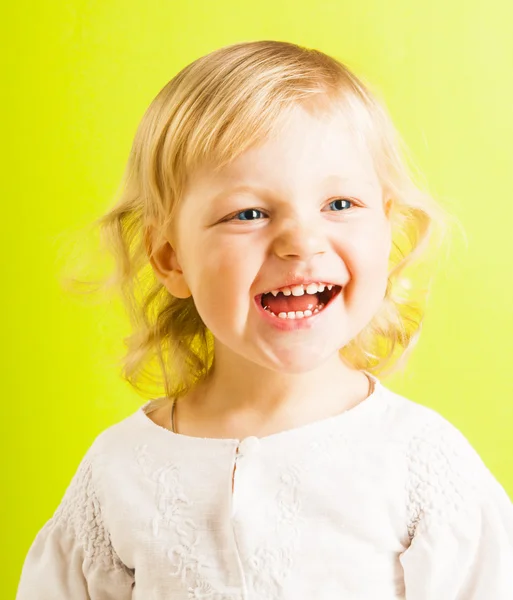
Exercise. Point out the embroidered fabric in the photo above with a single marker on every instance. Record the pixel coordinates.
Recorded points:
(80, 513)
(271, 565)
(174, 510)
(442, 475)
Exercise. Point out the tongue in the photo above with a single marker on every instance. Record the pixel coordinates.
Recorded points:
(282, 303)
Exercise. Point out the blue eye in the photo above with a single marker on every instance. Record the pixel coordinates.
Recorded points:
(344, 203)
(246, 212)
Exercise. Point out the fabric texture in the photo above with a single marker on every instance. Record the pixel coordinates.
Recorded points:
(387, 500)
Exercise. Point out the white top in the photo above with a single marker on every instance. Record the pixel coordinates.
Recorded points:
(387, 500)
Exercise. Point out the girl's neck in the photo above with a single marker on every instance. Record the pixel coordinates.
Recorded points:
(227, 411)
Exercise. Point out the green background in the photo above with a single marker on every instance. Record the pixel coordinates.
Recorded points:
(78, 76)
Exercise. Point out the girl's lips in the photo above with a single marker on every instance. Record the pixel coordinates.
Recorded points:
(293, 324)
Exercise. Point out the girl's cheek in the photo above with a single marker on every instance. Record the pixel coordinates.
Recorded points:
(364, 252)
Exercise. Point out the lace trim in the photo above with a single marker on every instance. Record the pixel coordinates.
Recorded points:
(80, 512)
(444, 471)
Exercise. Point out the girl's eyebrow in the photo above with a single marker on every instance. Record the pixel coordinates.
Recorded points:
(242, 188)
(262, 190)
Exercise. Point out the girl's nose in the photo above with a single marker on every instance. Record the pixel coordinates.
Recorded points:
(300, 240)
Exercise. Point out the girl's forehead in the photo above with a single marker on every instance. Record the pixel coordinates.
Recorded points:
(326, 147)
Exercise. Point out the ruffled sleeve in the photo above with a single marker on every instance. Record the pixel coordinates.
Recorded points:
(461, 521)
(72, 556)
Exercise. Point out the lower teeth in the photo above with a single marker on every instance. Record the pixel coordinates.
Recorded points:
(298, 314)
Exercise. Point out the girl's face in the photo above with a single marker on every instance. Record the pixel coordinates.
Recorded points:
(306, 204)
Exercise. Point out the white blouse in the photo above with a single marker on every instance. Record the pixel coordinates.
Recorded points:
(387, 500)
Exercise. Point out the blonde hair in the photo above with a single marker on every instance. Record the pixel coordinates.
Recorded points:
(213, 110)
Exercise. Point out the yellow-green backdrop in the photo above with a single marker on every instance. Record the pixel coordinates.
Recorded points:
(77, 77)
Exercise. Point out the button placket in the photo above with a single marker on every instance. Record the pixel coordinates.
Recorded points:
(246, 448)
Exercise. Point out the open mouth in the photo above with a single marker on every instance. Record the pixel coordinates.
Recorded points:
(302, 306)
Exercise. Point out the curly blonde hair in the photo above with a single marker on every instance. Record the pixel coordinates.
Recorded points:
(213, 110)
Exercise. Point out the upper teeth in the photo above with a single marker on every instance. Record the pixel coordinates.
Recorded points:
(299, 290)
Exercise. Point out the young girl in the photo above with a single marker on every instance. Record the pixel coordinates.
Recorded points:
(267, 204)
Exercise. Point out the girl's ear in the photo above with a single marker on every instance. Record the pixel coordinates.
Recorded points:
(389, 203)
(164, 261)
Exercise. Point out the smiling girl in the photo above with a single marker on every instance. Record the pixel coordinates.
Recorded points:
(267, 198)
